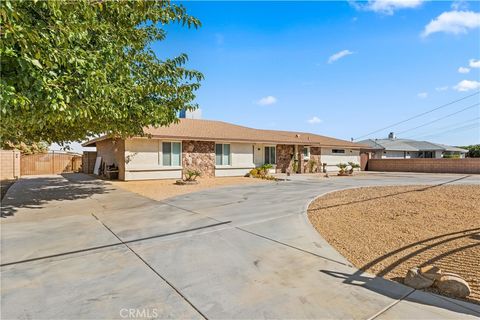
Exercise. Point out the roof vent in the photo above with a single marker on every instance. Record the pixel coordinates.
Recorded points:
(297, 135)
(391, 136)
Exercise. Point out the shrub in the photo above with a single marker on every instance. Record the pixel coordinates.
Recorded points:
(452, 156)
(312, 165)
(353, 166)
(342, 167)
(253, 173)
(192, 175)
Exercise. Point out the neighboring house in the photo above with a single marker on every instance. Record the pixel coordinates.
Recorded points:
(395, 148)
(219, 149)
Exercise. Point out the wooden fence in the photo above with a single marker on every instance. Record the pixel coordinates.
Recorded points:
(49, 163)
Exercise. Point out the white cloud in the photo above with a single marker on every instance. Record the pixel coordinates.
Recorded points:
(454, 22)
(467, 85)
(339, 55)
(268, 100)
(444, 88)
(314, 120)
(459, 5)
(386, 6)
(474, 63)
(463, 70)
(422, 95)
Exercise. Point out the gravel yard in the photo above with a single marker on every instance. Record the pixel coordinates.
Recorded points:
(387, 230)
(162, 189)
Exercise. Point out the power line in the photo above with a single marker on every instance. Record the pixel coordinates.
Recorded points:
(418, 115)
(444, 128)
(463, 125)
(458, 129)
(441, 118)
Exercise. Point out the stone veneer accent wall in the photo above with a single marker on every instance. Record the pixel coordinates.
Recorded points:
(284, 156)
(315, 153)
(199, 155)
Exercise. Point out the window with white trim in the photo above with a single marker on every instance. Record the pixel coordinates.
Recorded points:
(171, 154)
(306, 153)
(222, 155)
(338, 151)
(270, 155)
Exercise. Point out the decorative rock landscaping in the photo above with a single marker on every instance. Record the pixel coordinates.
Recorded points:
(447, 283)
(389, 230)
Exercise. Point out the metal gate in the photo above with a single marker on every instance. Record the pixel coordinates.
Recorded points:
(49, 163)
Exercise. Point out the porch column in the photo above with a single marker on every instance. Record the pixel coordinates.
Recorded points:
(300, 169)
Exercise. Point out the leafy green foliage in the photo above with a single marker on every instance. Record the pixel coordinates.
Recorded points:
(262, 172)
(342, 167)
(473, 150)
(452, 156)
(25, 148)
(312, 165)
(192, 175)
(353, 166)
(75, 69)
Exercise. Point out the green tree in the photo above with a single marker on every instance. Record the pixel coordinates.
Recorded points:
(75, 69)
(473, 150)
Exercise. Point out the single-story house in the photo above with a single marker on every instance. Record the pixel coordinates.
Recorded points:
(395, 148)
(217, 148)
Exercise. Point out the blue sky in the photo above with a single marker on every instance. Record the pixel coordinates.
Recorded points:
(266, 65)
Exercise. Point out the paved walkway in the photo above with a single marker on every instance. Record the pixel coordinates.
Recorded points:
(77, 248)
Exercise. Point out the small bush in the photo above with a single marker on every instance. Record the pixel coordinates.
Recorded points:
(192, 175)
(452, 156)
(342, 167)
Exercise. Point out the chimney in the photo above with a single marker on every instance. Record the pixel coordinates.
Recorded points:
(187, 114)
(391, 136)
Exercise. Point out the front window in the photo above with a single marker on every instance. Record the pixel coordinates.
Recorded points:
(171, 154)
(338, 151)
(222, 155)
(306, 153)
(270, 155)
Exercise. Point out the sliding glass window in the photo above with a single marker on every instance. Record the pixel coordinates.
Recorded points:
(222, 155)
(171, 154)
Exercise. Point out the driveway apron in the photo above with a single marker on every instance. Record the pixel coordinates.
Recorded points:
(78, 248)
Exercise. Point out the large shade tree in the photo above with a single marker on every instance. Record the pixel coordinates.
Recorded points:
(75, 69)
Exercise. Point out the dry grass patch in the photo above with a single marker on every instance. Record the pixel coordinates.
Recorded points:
(162, 189)
(388, 230)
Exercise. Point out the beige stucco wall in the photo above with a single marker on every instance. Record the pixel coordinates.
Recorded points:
(242, 155)
(241, 161)
(332, 159)
(143, 160)
(9, 164)
(112, 151)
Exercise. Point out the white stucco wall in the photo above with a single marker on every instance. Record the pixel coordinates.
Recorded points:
(393, 155)
(143, 161)
(332, 159)
(242, 155)
(241, 161)
(259, 154)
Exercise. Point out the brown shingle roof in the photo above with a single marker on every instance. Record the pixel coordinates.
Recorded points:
(210, 130)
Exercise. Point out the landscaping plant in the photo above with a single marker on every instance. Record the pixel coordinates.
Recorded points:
(262, 172)
(353, 166)
(343, 168)
(192, 175)
(312, 165)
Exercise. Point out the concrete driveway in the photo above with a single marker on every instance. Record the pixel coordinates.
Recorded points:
(77, 248)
